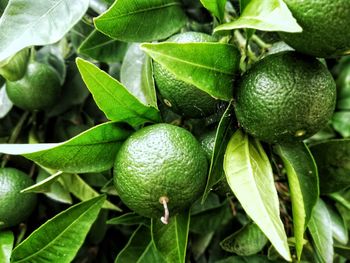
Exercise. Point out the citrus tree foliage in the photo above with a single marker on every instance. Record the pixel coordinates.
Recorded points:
(261, 201)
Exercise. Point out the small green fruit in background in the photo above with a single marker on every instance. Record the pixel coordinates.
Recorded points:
(15, 206)
(159, 165)
(39, 89)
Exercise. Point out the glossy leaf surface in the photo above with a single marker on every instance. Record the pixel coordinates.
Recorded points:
(171, 240)
(91, 151)
(30, 22)
(59, 239)
(272, 15)
(303, 184)
(160, 19)
(113, 98)
(249, 175)
(211, 67)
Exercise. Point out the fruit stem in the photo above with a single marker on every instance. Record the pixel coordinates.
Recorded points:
(14, 136)
(164, 201)
(260, 42)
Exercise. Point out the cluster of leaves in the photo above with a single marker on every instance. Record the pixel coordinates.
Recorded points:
(276, 207)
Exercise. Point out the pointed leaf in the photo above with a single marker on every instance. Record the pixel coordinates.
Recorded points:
(137, 76)
(54, 187)
(171, 239)
(91, 151)
(29, 22)
(83, 191)
(303, 185)
(216, 7)
(339, 228)
(249, 174)
(102, 48)
(140, 248)
(129, 219)
(247, 241)
(211, 67)
(59, 239)
(272, 15)
(113, 98)
(6, 245)
(333, 162)
(321, 232)
(43, 185)
(139, 21)
(222, 137)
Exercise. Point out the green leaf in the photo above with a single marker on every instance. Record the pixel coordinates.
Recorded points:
(333, 162)
(83, 191)
(51, 187)
(137, 76)
(129, 219)
(43, 185)
(140, 248)
(30, 22)
(211, 67)
(272, 15)
(222, 137)
(321, 232)
(171, 239)
(91, 151)
(341, 123)
(139, 21)
(339, 228)
(216, 7)
(243, 4)
(113, 98)
(247, 241)
(211, 219)
(102, 48)
(303, 185)
(59, 239)
(249, 174)
(6, 245)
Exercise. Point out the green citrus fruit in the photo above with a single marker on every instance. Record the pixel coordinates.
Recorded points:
(39, 89)
(15, 206)
(286, 96)
(184, 98)
(207, 141)
(325, 27)
(160, 162)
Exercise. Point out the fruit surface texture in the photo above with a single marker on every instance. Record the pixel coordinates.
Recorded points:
(161, 160)
(285, 97)
(15, 206)
(184, 98)
(37, 90)
(325, 27)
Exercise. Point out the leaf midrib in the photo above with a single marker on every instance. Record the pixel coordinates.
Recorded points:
(130, 109)
(144, 10)
(229, 73)
(59, 235)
